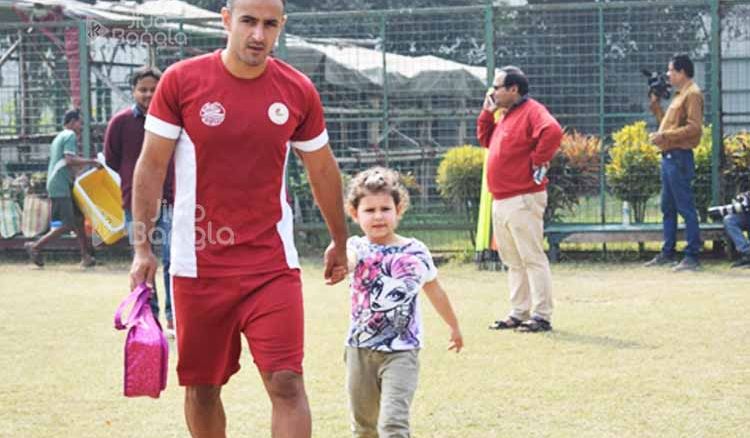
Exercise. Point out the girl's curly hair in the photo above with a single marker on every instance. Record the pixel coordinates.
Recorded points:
(376, 180)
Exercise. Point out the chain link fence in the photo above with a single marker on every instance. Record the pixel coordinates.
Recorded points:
(401, 88)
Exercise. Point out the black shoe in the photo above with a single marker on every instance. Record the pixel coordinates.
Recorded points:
(688, 264)
(535, 325)
(742, 262)
(660, 260)
(509, 324)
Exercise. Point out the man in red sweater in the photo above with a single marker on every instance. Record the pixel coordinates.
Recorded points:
(522, 142)
(122, 147)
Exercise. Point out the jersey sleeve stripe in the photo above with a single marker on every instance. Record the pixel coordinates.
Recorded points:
(314, 144)
(162, 128)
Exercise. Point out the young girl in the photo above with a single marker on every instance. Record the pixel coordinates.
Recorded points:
(385, 333)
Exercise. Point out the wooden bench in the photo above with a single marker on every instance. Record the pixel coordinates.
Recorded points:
(591, 233)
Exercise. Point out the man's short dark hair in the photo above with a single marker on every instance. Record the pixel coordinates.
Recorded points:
(515, 76)
(71, 115)
(144, 72)
(230, 2)
(682, 62)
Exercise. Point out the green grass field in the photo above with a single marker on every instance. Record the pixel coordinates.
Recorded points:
(635, 353)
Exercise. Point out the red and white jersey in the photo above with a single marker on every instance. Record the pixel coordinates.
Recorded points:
(231, 215)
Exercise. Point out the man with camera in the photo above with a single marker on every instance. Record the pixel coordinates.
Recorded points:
(521, 144)
(680, 130)
(736, 218)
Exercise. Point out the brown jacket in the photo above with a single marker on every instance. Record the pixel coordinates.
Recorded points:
(682, 125)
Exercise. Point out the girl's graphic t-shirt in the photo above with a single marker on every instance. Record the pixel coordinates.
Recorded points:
(385, 284)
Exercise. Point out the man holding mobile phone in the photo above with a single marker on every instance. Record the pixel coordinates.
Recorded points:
(521, 144)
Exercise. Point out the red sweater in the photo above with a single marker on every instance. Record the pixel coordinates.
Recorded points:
(526, 136)
(122, 147)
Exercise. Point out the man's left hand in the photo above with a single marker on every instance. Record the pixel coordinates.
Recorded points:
(657, 139)
(335, 263)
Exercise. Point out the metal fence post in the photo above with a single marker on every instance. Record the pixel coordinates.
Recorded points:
(182, 46)
(83, 56)
(716, 110)
(489, 41)
(22, 110)
(386, 115)
(602, 149)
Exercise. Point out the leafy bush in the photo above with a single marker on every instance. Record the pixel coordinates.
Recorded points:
(573, 173)
(737, 170)
(633, 172)
(702, 182)
(632, 140)
(459, 178)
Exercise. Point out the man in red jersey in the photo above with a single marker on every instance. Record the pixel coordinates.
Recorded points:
(521, 143)
(232, 118)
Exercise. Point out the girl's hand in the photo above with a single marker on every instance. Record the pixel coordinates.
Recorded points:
(338, 274)
(457, 341)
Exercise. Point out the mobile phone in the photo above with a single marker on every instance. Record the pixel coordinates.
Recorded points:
(539, 173)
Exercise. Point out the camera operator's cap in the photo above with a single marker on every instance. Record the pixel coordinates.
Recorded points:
(71, 115)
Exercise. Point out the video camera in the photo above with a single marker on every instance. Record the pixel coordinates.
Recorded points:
(740, 204)
(658, 84)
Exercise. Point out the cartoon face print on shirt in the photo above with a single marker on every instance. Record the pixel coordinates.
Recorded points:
(397, 283)
(385, 288)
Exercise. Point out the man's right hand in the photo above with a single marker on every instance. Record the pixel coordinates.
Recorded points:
(489, 102)
(335, 262)
(143, 269)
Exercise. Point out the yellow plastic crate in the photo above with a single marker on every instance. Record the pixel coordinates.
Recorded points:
(98, 196)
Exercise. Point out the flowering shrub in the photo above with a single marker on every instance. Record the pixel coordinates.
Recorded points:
(633, 170)
(573, 173)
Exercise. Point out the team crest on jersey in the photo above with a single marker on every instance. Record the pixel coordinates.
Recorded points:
(213, 114)
(278, 113)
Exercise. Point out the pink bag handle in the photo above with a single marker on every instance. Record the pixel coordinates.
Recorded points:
(140, 295)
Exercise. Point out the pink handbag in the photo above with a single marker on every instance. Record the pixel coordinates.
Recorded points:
(146, 348)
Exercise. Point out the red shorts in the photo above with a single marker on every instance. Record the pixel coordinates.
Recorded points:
(210, 314)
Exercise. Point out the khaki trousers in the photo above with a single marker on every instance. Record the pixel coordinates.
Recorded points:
(518, 223)
(381, 388)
